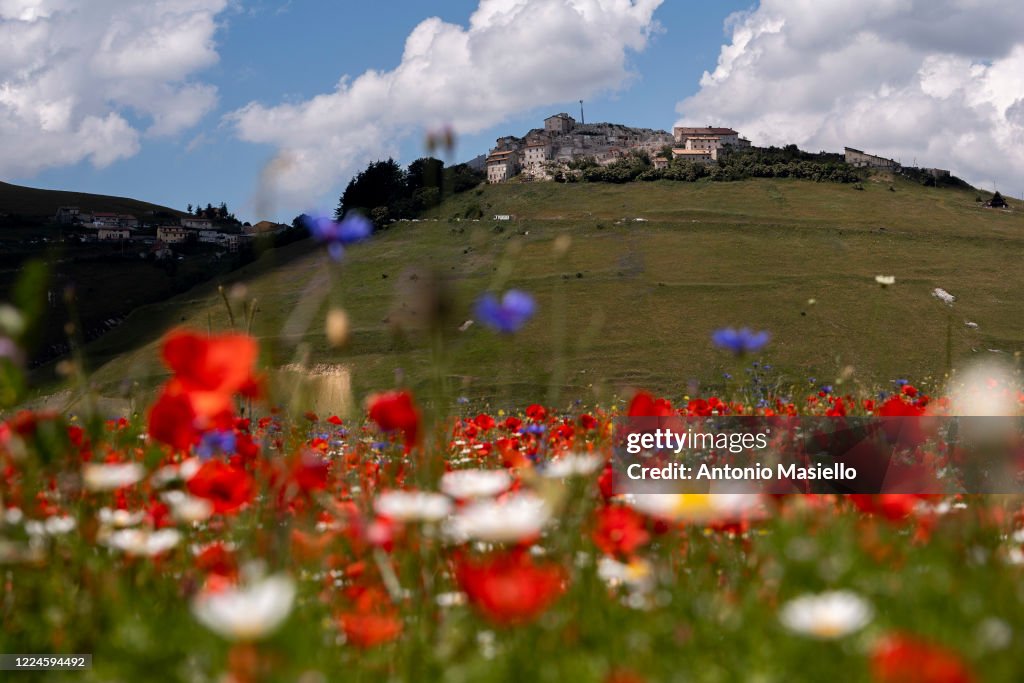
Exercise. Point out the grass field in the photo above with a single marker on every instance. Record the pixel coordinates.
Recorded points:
(31, 201)
(632, 303)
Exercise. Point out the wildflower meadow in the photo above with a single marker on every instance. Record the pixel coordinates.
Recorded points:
(212, 534)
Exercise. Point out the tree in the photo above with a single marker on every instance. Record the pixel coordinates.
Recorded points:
(380, 184)
(189, 209)
(424, 172)
(462, 177)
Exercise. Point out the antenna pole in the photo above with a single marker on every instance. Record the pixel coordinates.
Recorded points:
(582, 120)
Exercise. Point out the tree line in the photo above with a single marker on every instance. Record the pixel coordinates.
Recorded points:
(732, 164)
(384, 191)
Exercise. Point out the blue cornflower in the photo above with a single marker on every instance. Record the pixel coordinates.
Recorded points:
(352, 228)
(508, 315)
(901, 382)
(740, 341)
(215, 442)
(826, 388)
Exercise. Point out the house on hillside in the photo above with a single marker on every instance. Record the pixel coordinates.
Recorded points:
(861, 159)
(559, 124)
(700, 156)
(501, 166)
(707, 137)
(66, 215)
(536, 153)
(196, 223)
(105, 219)
(211, 236)
(112, 234)
(174, 234)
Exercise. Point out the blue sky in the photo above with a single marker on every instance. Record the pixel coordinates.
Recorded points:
(243, 100)
(274, 52)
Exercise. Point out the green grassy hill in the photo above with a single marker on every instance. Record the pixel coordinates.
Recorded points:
(652, 270)
(35, 202)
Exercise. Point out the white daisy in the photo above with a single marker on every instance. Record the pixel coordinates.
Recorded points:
(572, 465)
(466, 484)
(140, 542)
(515, 518)
(120, 518)
(247, 612)
(412, 506)
(110, 476)
(826, 616)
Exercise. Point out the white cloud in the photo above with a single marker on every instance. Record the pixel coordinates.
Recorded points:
(76, 77)
(939, 81)
(513, 56)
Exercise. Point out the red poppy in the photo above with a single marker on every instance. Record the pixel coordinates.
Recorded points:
(620, 530)
(645, 405)
(536, 412)
(510, 588)
(221, 363)
(227, 487)
(368, 629)
(484, 421)
(310, 471)
(901, 658)
(606, 482)
(372, 620)
(215, 558)
(396, 411)
(893, 506)
(172, 420)
(588, 422)
(894, 406)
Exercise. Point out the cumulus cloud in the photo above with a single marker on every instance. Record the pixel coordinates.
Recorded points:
(939, 81)
(513, 56)
(87, 80)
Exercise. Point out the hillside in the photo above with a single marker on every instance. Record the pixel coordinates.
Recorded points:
(34, 202)
(652, 270)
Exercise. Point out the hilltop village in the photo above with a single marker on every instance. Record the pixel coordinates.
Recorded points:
(545, 152)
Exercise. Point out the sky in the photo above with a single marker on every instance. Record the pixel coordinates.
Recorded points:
(272, 105)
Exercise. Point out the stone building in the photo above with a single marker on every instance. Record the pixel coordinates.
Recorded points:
(536, 153)
(860, 159)
(174, 234)
(701, 156)
(501, 166)
(105, 234)
(722, 136)
(196, 223)
(559, 124)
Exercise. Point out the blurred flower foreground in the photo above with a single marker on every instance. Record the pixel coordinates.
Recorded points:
(215, 537)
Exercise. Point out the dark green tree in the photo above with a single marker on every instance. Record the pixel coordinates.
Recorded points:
(381, 184)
